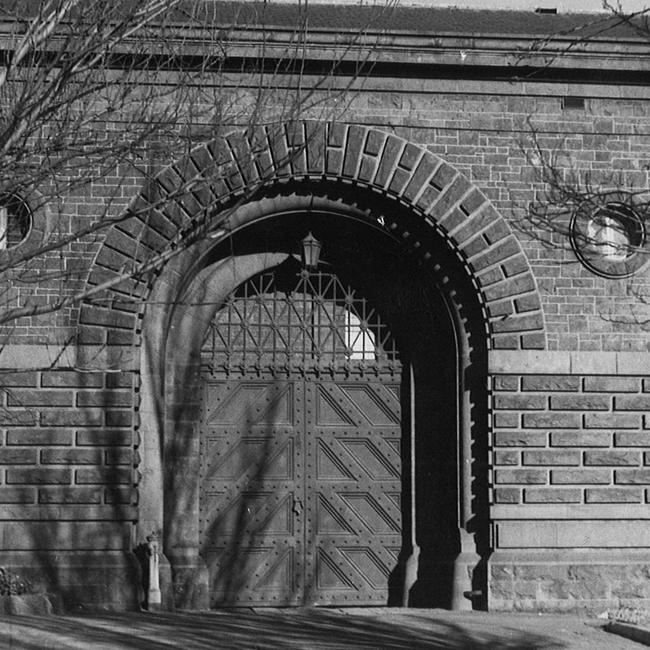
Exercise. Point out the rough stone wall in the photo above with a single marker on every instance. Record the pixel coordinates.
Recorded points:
(566, 581)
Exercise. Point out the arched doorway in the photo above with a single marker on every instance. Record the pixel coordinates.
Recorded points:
(301, 469)
(439, 475)
(421, 243)
(329, 403)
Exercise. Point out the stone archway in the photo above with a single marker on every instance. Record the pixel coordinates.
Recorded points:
(373, 177)
(402, 172)
(214, 275)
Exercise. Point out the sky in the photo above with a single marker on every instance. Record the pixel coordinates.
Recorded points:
(562, 6)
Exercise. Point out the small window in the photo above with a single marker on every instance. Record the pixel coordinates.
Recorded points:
(610, 241)
(609, 237)
(359, 340)
(573, 103)
(15, 221)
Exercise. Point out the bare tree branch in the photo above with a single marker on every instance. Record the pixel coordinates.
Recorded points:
(98, 97)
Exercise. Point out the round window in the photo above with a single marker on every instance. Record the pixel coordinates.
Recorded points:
(609, 241)
(15, 221)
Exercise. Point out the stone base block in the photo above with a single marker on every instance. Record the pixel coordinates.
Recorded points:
(568, 580)
(80, 581)
(446, 583)
(26, 605)
(190, 581)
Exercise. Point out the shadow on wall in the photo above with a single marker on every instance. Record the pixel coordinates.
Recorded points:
(244, 518)
(257, 540)
(81, 490)
(268, 541)
(239, 526)
(267, 630)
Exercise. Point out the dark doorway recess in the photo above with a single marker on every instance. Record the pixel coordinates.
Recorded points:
(330, 434)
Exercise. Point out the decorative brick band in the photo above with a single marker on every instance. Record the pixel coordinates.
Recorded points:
(215, 174)
(568, 363)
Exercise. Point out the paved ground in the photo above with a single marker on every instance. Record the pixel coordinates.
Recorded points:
(309, 629)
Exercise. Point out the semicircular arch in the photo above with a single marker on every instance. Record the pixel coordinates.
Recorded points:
(186, 201)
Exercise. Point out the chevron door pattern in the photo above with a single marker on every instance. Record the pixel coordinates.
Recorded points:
(252, 485)
(353, 487)
(300, 490)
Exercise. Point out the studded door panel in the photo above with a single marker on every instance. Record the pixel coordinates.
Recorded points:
(252, 486)
(301, 476)
(301, 490)
(353, 480)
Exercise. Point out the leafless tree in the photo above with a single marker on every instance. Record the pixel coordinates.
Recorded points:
(600, 213)
(96, 97)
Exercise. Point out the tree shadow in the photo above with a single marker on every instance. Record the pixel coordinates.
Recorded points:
(75, 549)
(268, 630)
(250, 541)
(304, 546)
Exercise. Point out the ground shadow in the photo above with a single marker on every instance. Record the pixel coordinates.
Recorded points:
(242, 629)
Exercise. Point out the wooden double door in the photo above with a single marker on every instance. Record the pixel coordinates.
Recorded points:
(301, 489)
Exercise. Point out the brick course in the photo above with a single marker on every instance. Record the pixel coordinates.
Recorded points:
(592, 425)
(76, 448)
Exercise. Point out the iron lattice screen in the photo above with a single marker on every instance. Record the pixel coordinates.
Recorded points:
(307, 322)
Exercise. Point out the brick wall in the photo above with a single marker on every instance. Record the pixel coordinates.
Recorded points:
(569, 451)
(67, 480)
(570, 439)
(570, 484)
(482, 134)
(479, 132)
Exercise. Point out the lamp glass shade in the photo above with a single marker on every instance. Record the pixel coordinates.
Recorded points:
(310, 251)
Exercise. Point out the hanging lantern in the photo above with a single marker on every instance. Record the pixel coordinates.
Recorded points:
(310, 252)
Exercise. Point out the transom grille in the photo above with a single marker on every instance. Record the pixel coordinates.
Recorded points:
(308, 322)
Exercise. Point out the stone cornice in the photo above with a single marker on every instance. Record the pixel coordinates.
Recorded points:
(413, 42)
(568, 363)
(83, 358)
